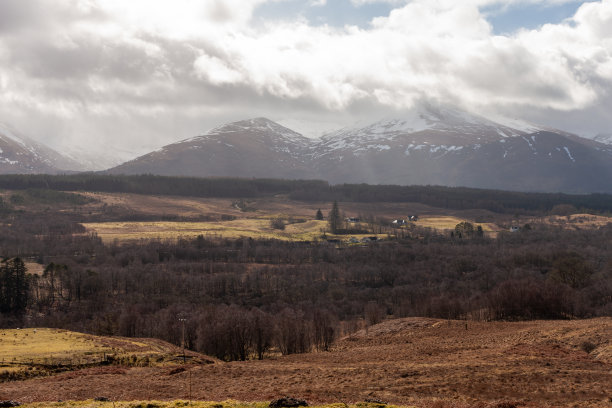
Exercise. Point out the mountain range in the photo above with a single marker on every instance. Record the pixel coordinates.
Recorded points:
(430, 145)
(438, 146)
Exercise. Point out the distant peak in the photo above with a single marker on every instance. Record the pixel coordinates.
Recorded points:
(258, 125)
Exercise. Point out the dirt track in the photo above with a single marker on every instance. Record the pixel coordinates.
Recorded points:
(400, 361)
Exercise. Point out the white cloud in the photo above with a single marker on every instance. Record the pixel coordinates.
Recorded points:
(481, 3)
(216, 71)
(111, 66)
(358, 3)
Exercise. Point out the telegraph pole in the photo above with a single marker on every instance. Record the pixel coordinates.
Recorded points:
(183, 320)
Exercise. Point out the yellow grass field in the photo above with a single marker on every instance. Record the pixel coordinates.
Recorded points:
(449, 223)
(245, 227)
(310, 230)
(576, 221)
(21, 349)
(23, 345)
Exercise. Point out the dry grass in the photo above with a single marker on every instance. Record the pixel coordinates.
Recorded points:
(26, 349)
(254, 223)
(178, 404)
(576, 221)
(244, 227)
(39, 344)
(34, 268)
(414, 361)
(449, 223)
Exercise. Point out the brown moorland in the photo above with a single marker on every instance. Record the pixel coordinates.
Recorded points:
(240, 218)
(411, 361)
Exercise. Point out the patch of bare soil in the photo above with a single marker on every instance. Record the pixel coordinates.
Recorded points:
(425, 362)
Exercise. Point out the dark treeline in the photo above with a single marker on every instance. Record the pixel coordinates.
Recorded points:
(314, 190)
(244, 297)
(457, 198)
(161, 185)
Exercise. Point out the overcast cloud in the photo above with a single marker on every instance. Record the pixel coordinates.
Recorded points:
(134, 75)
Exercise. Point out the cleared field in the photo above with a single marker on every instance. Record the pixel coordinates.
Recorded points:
(34, 268)
(162, 205)
(413, 362)
(35, 350)
(576, 221)
(254, 228)
(449, 223)
(23, 345)
(311, 230)
(254, 223)
(270, 207)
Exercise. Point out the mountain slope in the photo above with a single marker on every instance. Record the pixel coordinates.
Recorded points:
(19, 154)
(431, 145)
(449, 147)
(249, 148)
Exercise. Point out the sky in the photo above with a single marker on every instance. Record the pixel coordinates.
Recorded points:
(119, 78)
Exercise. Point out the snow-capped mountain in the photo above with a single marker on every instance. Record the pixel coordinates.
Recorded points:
(430, 145)
(446, 146)
(429, 128)
(20, 154)
(249, 148)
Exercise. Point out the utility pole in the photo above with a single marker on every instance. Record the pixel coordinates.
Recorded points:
(183, 320)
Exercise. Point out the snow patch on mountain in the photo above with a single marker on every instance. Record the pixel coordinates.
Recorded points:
(569, 154)
(435, 128)
(605, 138)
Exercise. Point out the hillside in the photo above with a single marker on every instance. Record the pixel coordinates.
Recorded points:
(36, 352)
(249, 148)
(429, 146)
(20, 154)
(412, 361)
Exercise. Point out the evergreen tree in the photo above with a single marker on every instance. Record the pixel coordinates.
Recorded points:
(14, 286)
(319, 215)
(335, 220)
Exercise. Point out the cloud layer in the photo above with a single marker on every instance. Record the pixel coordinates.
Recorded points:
(143, 73)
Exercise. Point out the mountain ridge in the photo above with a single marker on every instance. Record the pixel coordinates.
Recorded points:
(20, 154)
(439, 146)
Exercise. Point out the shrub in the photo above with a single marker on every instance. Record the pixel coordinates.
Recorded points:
(587, 346)
(277, 223)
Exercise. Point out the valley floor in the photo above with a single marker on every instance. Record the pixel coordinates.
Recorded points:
(412, 361)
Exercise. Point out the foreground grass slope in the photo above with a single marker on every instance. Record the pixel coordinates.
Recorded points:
(183, 403)
(410, 362)
(34, 352)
